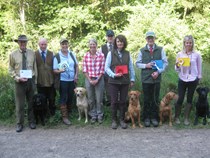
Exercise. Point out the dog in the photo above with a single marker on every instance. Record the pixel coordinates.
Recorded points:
(82, 102)
(134, 108)
(166, 108)
(40, 107)
(202, 105)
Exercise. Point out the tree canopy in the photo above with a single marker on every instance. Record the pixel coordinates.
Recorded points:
(79, 20)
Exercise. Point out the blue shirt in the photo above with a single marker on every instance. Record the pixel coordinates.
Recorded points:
(69, 74)
(112, 74)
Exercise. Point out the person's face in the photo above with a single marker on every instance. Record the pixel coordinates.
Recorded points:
(92, 46)
(43, 45)
(150, 40)
(119, 44)
(110, 39)
(22, 45)
(64, 46)
(188, 45)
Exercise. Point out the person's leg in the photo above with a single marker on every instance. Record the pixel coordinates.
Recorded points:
(70, 96)
(122, 104)
(99, 90)
(190, 92)
(178, 105)
(113, 89)
(91, 100)
(64, 88)
(51, 99)
(107, 93)
(29, 97)
(20, 103)
(147, 92)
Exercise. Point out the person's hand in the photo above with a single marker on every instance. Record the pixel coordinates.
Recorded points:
(23, 79)
(94, 82)
(118, 75)
(61, 70)
(155, 75)
(131, 84)
(149, 65)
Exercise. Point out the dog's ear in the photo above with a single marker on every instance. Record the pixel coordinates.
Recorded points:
(129, 93)
(75, 90)
(198, 90)
(138, 93)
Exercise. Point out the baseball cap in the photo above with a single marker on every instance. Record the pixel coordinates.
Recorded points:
(110, 33)
(150, 34)
(63, 40)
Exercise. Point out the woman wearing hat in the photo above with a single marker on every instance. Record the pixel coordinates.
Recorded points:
(22, 68)
(65, 67)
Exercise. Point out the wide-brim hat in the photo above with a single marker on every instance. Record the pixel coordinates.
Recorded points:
(21, 38)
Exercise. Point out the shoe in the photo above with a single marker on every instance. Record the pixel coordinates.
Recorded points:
(123, 125)
(32, 125)
(154, 122)
(66, 121)
(147, 122)
(93, 120)
(100, 120)
(114, 125)
(177, 121)
(19, 128)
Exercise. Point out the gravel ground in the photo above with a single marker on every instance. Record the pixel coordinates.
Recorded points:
(103, 142)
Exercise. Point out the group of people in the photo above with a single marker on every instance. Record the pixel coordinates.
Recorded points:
(108, 69)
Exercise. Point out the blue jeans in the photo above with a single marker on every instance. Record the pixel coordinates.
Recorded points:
(95, 98)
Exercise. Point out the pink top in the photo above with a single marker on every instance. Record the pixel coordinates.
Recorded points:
(190, 73)
(94, 67)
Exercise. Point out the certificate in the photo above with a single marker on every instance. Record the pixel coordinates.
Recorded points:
(25, 73)
(158, 64)
(121, 69)
(184, 62)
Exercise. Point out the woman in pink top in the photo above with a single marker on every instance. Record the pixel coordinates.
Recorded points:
(189, 68)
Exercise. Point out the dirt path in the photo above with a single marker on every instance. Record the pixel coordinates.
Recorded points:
(103, 142)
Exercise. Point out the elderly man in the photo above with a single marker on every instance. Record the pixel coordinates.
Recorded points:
(22, 67)
(152, 60)
(45, 79)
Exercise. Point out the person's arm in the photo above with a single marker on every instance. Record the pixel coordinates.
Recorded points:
(165, 61)
(199, 65)
(107, 66)
(131, 70)
(141, 65)
(55, 67)
(12, 70)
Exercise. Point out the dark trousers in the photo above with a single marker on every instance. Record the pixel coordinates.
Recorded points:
(107, 93)
(50, 94)
(151, 100)
(24, 91)
(118, 93)
(66, 92)
(182, 87)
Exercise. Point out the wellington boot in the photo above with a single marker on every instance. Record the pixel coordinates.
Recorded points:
(177, 114)
(64, 113)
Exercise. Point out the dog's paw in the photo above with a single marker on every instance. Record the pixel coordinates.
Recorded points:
(86, 121)
(79, 118)
(133, 126)
(140, 125)
(160, 123)
(170, 124)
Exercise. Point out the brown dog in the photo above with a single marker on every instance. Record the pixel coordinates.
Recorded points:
(134, 108)
(165, 107)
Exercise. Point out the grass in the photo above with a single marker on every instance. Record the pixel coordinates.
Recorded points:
(169, 81)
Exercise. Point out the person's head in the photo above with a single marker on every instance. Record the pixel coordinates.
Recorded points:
(110, 36)
(64, 43)
(150, 38)
(188, 43)
(22, 42)
(92, 44)
(120, 42)
(42, 44)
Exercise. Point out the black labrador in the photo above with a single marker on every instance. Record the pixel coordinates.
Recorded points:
(202, 105)
(40, 107)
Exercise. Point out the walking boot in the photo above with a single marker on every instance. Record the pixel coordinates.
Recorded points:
(177, 114)
(122, 118)
(64, 114)
(188, 108)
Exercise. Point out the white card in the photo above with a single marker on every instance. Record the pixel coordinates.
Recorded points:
(25, 73)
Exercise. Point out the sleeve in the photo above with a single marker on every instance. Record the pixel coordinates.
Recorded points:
(55, 63)
(107, 66)
(131, 69)
(165, 61)
(139, 63)
(199, 65)
(12, 72)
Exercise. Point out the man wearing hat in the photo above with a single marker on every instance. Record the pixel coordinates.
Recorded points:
(108, 46)
(45, 79)
(22, 68)
(147, 61)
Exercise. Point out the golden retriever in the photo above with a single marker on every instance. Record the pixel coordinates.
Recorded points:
(165, 107)
(82, 102)
(134, 108)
